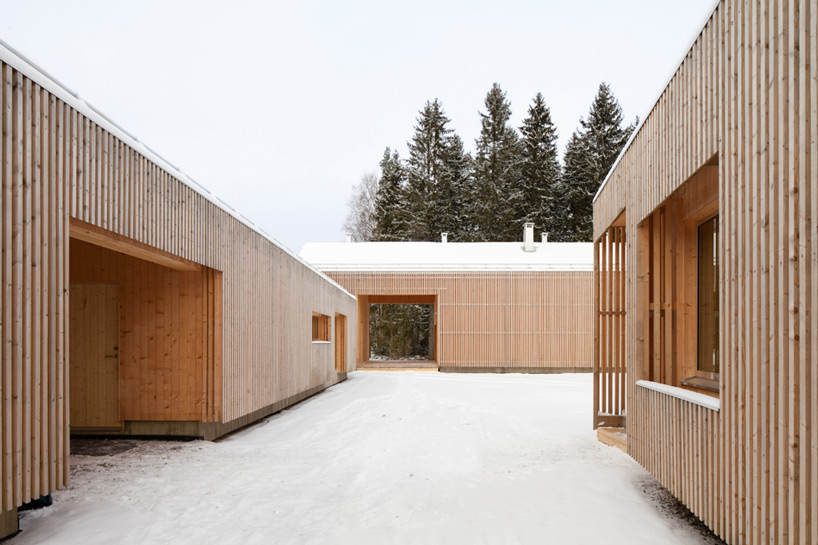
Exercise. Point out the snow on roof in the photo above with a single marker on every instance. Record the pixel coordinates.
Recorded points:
(438, 256)
(48, 82)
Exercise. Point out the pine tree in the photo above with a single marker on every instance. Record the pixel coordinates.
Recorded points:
(390, 221)
(540, 168)
(589, 155)
(497, 171)
(433, 175)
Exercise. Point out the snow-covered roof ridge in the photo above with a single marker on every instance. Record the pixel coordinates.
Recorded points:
(48, 82)
(438, 256)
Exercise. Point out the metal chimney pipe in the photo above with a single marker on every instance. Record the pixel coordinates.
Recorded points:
(349, 237)
(444, 237)
(544, 237)
(528, 237)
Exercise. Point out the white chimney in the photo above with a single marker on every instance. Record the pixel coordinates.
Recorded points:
(544, 237)
(349, 237)
(528, 237)
(444, 237)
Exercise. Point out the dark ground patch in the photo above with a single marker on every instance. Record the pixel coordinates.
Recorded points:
(674, 510)
(88, 446)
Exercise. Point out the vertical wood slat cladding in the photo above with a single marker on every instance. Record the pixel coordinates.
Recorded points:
(165, 352)
(498, 319)
(609, 327)
(59, 164)
(746, 93)
(33, 319)
(686, 435)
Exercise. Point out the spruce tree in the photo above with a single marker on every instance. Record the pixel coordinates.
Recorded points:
(434, 169)
(497, 171)
(604, 134)
(390, 221)
(589, 156)
(540, 168)
(573, 205)
(459, 208)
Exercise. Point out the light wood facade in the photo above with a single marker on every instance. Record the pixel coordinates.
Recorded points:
(213, 318)
(733, 136)
(533, 321)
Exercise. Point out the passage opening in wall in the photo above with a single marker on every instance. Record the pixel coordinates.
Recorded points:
(399, 332)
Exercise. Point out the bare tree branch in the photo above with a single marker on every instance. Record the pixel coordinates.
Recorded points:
(360, 221)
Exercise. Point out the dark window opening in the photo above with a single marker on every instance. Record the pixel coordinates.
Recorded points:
(708, 297)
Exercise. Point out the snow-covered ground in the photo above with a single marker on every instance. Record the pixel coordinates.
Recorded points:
(383, 458)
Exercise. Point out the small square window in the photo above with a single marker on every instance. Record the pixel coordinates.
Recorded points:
(321, 324)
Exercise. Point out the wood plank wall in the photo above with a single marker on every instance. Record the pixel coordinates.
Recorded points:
(498, 319)
(34, 302)
(169, 367)
(746, 94)
(609, 328)
(59, 160)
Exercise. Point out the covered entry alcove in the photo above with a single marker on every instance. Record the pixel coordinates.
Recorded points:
(144, 332)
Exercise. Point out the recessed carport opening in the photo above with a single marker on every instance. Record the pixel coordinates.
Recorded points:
(397, 328)
(145, 338)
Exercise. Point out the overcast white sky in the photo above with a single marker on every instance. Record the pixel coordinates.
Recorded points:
(280, 107)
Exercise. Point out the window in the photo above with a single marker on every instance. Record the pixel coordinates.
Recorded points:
(678, 252)
(708, 297)
(321, 324)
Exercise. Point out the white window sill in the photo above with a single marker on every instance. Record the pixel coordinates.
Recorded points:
(702, 400)
(321, 342)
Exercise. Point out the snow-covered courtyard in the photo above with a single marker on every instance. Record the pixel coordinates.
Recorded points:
(383, 458)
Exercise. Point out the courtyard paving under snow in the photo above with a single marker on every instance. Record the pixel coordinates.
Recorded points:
(383, 458)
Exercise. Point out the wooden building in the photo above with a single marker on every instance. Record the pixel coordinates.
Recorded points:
(706, 267)
(498, 306)
(132, 300)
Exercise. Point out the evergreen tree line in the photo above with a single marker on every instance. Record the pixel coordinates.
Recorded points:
(399, 331)
(514, 176)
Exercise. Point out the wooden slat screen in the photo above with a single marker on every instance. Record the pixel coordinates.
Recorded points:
(609, 327)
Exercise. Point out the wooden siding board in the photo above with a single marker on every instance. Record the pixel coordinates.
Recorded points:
(811, 145)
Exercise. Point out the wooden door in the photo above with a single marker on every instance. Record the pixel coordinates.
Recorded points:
(340, 343)
(94, 355)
